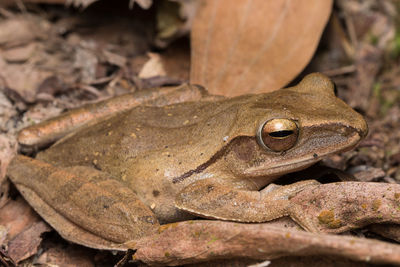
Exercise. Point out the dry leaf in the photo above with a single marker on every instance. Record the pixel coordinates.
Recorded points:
(8, 148)
(145, 4)
(5, 259)
(390, 231)
(27, 242)
(26, 87)
(70, 256)
(207, 240)
(365, 173)
(7, 109)
(7, 3)
(368, 61)
(114, 58)
(314, 261)
(22, 29)
(232, 54)
(176, 60)
(17, 216)
(20, 53)
(79, 3)
(153, 67)
(24, 228)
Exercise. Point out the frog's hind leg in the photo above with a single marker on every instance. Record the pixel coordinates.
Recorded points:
(49, 131)
(84, 205)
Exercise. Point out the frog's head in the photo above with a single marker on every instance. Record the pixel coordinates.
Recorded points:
(290, 129)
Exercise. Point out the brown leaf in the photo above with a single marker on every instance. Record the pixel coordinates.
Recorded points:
(20, 53)
(8, 148)
(7, 111)
(17, 216)
(391, 231)
(176, 60)
(395, 159)
(114, 58)
(24, 229)
(368, 61)
(207, 240)
(145, 4)
(13, 2)
(51, 86)
(364, 173)
(66, 256)
(153, 67)
(22, 29)
(315, 261)
(285, 261)
(26, 243)
(229, 263)
(22, 80)
(5, 259)
(254, 46)
(79, 3)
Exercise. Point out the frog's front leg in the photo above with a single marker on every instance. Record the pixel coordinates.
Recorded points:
(210, 199)
(84, 205)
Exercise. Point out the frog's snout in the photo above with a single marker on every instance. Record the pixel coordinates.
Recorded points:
(361, 126)
(363, 131)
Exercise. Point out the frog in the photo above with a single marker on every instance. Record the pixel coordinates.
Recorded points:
(119, 177)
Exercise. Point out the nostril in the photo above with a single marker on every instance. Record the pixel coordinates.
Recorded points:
(363, 129)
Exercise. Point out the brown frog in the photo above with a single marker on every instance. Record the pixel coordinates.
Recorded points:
(117, 177)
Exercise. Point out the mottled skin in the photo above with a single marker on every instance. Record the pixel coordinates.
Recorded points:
(155, 165)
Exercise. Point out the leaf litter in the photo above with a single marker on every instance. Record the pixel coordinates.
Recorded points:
(69, 59)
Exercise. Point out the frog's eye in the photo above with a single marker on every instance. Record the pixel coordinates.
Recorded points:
(278, 134)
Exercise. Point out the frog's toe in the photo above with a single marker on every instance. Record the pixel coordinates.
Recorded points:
(298, 215)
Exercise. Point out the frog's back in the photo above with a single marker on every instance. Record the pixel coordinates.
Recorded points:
(136, 133)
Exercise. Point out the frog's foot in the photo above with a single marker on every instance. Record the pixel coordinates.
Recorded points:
(49, 131)
(294, 211)
(84, 205)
